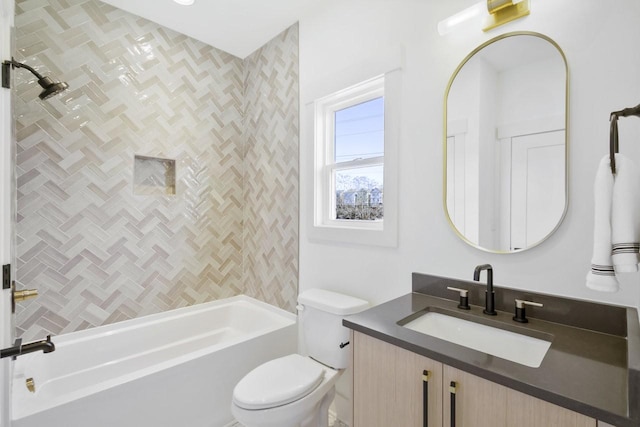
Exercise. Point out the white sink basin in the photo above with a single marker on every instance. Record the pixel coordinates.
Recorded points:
(515, 347)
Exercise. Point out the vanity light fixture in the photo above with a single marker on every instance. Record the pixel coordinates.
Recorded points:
(447, 25)
(185, 2)
(499, 12)
(503, 11)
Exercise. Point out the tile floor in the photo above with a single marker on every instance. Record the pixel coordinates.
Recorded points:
(332, 422)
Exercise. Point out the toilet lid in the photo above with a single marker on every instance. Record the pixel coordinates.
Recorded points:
(278, 382)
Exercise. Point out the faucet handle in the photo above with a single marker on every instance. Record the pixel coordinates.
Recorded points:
(464, 297)
(521, 315)
(520, 303)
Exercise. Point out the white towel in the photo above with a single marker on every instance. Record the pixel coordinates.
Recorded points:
(625, 216)
(616, 223)
(602, 275)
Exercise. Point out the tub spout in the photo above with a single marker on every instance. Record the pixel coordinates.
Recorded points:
(47, 346)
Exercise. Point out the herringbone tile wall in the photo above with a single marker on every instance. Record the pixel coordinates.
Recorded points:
(96, 252)
(271, 171)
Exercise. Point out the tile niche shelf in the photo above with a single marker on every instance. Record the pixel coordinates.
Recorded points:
(154, 176)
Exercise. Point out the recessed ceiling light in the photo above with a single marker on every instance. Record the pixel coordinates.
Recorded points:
(185, 2)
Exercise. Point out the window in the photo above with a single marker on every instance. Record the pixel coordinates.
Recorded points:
(357, 165)
(350, 179)
(350, 147)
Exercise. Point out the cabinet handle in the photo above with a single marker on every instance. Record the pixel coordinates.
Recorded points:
(452, 392)
(425, 398)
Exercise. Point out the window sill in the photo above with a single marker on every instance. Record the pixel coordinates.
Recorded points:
(384, 235)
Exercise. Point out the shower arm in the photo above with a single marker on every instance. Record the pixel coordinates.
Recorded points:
(6, 71)
(16, 64)
(49, 86)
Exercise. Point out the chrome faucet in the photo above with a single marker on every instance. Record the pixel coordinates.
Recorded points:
(489, 294)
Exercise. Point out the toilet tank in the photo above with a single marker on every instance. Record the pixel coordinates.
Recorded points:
(320, 314)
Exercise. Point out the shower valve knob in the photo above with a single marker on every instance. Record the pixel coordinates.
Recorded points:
(22, 295)
(25, 294)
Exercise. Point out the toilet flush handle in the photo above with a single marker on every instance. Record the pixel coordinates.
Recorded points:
(300, 307)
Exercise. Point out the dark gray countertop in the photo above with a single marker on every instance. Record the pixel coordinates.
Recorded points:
(591, 366)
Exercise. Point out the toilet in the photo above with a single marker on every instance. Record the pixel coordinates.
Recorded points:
(296, 390)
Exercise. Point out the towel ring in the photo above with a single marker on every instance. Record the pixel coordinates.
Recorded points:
(613, 132)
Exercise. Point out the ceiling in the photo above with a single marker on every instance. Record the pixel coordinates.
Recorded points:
(238, 27)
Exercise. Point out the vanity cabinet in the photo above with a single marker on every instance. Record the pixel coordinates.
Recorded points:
(388, 385)
(388, 391)
(482, 403)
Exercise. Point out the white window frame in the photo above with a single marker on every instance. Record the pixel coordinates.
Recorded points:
(325, 110)
(323, 226)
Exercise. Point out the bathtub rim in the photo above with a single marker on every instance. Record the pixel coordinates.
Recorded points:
(30, 407)
(78, 335)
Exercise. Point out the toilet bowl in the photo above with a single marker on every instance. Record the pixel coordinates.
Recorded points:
(296, 390)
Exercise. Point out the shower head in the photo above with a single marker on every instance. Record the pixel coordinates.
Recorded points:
(49, 86)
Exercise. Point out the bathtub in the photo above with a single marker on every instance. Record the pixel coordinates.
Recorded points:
(173, 369)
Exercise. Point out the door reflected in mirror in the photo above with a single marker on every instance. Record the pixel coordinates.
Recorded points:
(506, 143)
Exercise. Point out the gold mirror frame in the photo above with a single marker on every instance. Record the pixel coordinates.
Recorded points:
(566, 118)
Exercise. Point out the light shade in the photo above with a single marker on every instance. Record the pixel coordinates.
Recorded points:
(446, 25)
(185, 2)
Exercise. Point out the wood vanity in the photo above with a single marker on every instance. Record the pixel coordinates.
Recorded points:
(404, 378)
(389, 391)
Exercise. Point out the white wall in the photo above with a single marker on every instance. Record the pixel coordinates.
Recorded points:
(6, 327)
(598, 39)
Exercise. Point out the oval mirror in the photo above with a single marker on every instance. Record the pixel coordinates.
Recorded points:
(505, 146)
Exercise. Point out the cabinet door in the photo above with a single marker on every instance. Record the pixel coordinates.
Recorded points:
(478, 402)
(388, 385)
(482, 403)
(526, 411)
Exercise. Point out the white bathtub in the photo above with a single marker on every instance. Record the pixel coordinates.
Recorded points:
(173, 369)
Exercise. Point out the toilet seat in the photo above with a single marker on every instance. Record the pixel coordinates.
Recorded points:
(278, 382)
